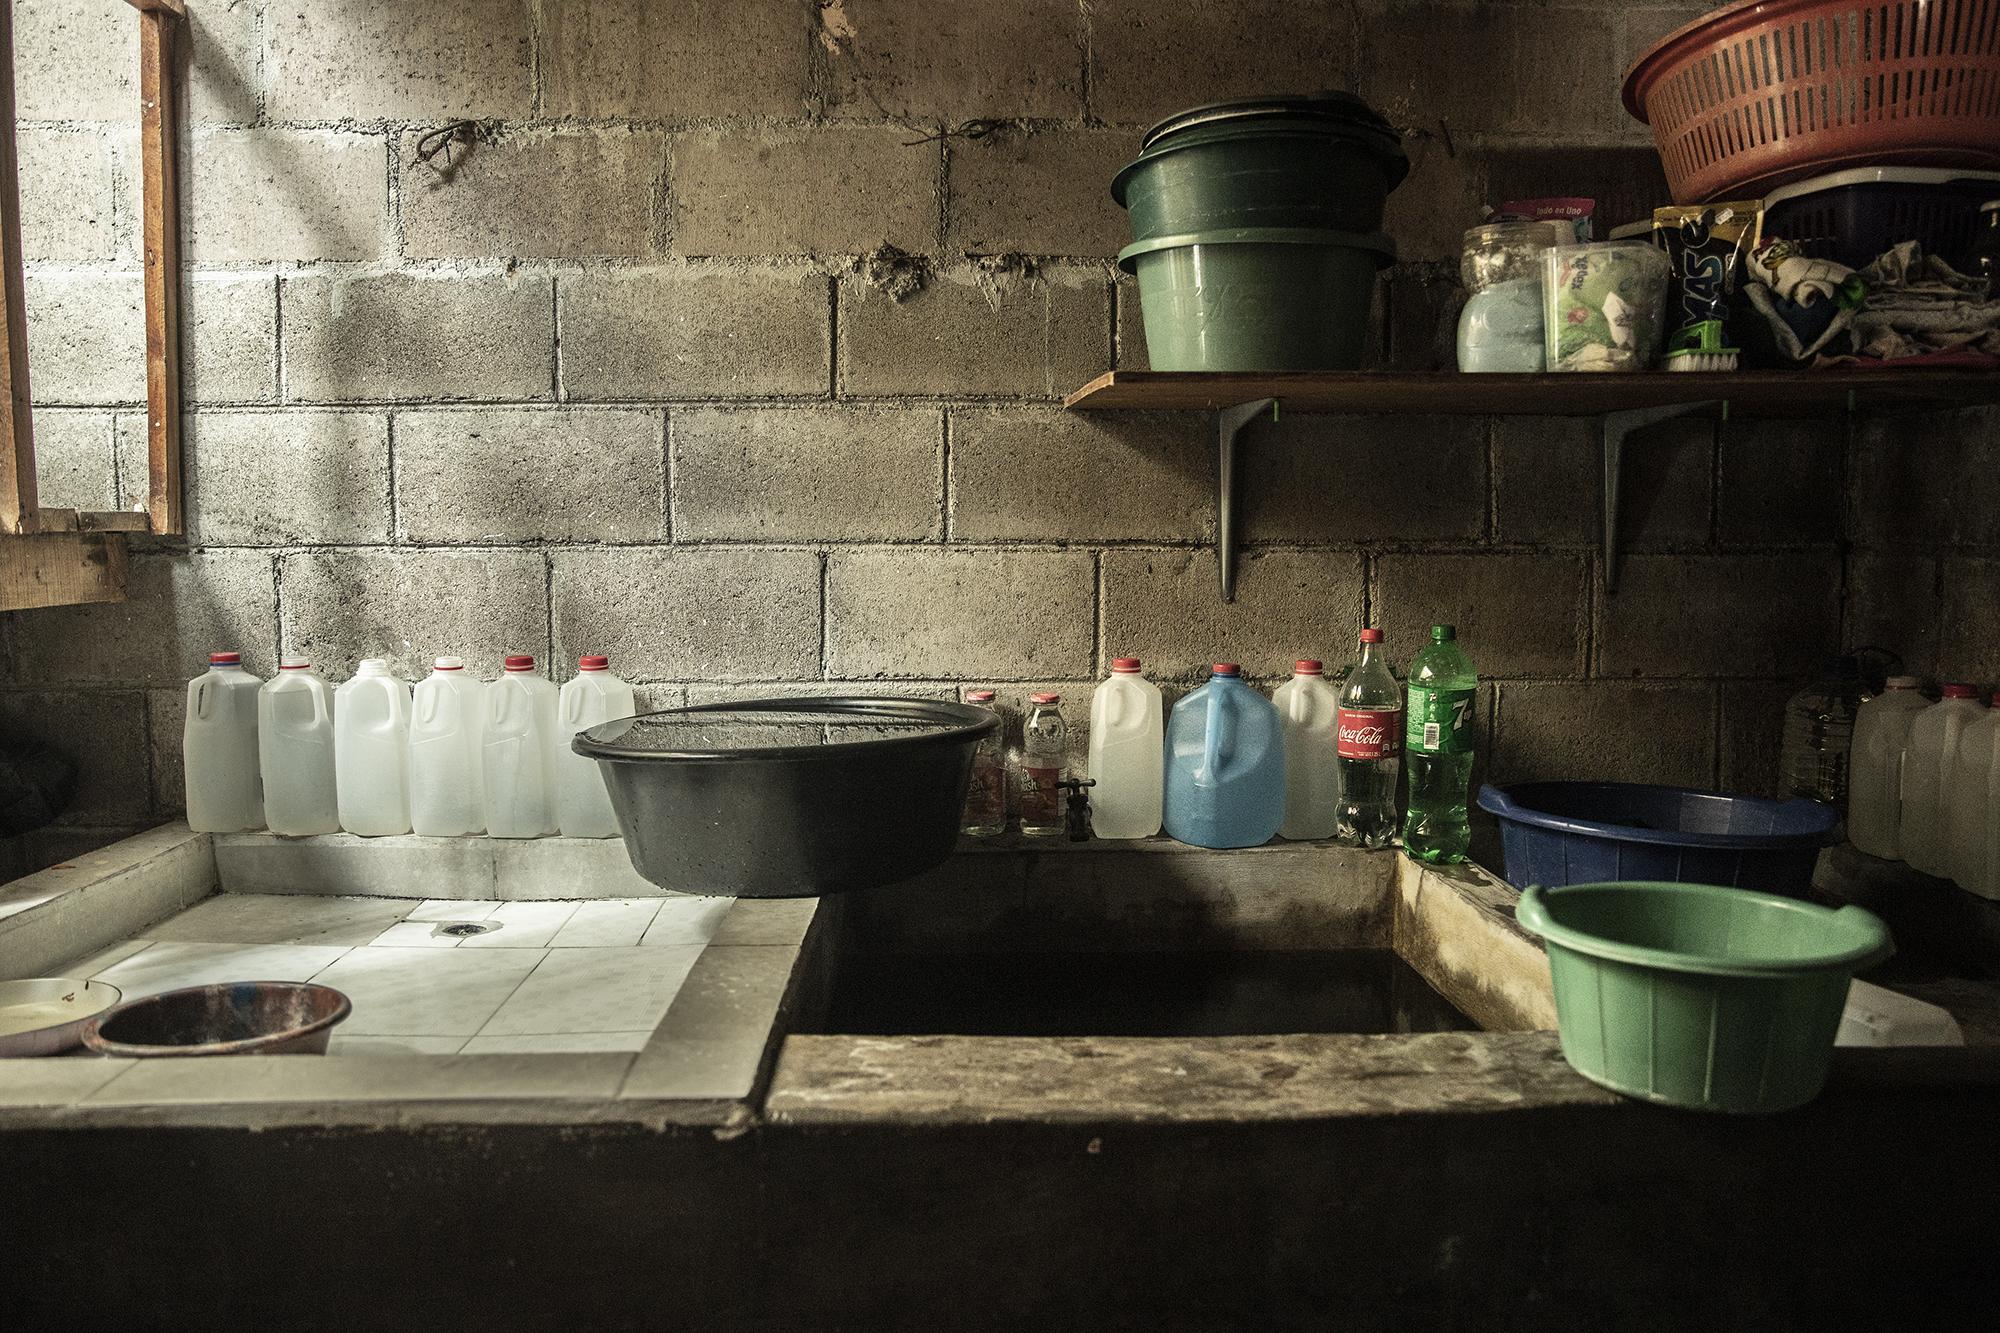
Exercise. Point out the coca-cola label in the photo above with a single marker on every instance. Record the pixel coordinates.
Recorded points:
(1370, 733)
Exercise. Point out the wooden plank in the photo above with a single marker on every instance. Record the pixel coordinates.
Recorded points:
(61, 569)
(112, 520)
(19, 497)
(163, 270)
(1756, 393)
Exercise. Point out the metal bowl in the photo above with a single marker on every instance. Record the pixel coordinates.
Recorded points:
(789, 798)
(235, 1018)
(47, 1015)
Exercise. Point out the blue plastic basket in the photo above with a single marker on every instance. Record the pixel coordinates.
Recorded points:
(1597, 832)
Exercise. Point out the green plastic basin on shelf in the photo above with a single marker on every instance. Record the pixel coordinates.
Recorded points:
(1235, 176)
(1693, 995)
(1257, 298)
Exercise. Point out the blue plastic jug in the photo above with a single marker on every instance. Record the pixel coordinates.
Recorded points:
(1225, 765)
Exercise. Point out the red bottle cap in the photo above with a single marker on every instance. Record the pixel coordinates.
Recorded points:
(979, 697)
(1960, 692)
(294, 664)
(1308, 666)
(1124, 664)
(1045, 698)
(1226, 669)
(1371, 636)
(593, 662)
(519, 662)
(224, 659)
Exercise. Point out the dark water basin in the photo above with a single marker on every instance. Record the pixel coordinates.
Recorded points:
(1176, 994)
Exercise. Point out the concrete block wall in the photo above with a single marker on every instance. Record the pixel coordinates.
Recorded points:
(732, 341)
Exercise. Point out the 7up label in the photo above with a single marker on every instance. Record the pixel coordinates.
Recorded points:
(1440, 721)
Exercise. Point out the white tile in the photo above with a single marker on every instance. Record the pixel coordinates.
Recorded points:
(54, 1080)
(260, 918)
(607, 923)
(521, 926)
(358, 1043)
(594, 990)
(451, 909)
(164, 967)
(556, 1043)
(414, 935)
(687, 920)
(294, 1078)
(426, 992)
(103, 958)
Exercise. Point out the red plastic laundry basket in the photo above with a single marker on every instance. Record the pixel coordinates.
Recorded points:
(1769, 91)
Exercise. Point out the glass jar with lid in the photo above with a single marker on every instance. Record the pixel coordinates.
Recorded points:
(1500, 328)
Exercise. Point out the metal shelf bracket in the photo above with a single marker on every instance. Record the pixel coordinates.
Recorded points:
(1612, 429)
(1229, 423)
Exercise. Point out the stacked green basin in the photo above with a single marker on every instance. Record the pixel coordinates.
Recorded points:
(1257, 232)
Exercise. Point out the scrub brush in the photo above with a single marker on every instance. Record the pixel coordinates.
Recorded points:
(1699, 347)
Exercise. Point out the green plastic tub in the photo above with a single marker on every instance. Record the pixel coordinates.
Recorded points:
(1697, 996)
(1257, 298)
(1250, 177)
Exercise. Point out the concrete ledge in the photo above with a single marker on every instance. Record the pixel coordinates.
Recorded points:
(56, 915)
(1455, 925)
(411, 867)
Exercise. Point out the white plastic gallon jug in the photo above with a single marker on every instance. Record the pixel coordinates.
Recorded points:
(583, 807)
(520, 753)
(1933, 736)
(1968, 802)
(1127, 754)
(371, 746)
(295, 751)
(219, 748)
(1875, 775)
(1307, 704)
(447, 721)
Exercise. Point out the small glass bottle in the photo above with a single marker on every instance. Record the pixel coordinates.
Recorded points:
(986, 797)
(1044, 757)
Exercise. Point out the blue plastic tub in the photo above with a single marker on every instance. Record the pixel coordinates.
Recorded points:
(1556, 833)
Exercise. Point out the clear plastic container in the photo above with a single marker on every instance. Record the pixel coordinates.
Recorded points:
(1969, 791)
(519, 751)
(1440, 740)
(1306, 705)
(1604, 306)
(986, 794)
(295, 751)
(447, 717)
(1370, 745)
(1500, 328)
(1933, 737)
(371, 749)
(1043, 761)
(1875, 767)
(1127, 730)
(583, 806)
(1225, 764)
(1819, 734)
(225, 792)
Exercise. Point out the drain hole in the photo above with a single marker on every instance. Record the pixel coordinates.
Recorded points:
(465, 927)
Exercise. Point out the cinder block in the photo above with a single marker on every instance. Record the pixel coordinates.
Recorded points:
(1969, 645)
(954, 62)
(642, 60)
(946, 613)
(225, 68)
(500, 475)
(1628, 183)
(691, 613)
(1779, 483)
(67, 213)
(1608, 731)
(413, 605)
(133, 450)
(464, 59)
(1428, 213)
(1347, 479)
(1038, 193)
(807, 474)
(828, 189)
(393, 336)
(75, 60)
(282, 478)
(75, 465)
(263, 195)
(562, 194)
(229, 325)
(1036, 336)
(1772, 616)
(1042, 474)
(166, 716)
(1517, 615)
(101, 732)
(1166, 608)
(695, 331)
(1668, 483)
(712, 692)
(1131, 349)
(88, 335)
(178, 608)
(1753, 736)
(1150, 58)
(1893, 603)
(1545, 481)
(1926, 481)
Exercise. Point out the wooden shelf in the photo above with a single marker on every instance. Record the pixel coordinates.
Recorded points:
(1756, 393)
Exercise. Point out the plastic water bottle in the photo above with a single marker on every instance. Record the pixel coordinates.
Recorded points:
(1819, 733)
(520, 752)
(1306, 705)
(986, 793)
(1044, 756)
(583, 805)
(1933, 737)
(219, 748)
(1225, 764)
(1875, 770)
(1968, 798)
(1440, 735)
(1370, 745)
(1127, 731)
(295, 751)
(371, 749)
(447, 720)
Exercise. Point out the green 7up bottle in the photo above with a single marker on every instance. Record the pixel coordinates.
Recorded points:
(1440, 739)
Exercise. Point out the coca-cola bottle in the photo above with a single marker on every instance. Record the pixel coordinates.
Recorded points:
(1369, 743)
